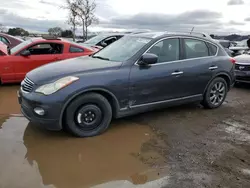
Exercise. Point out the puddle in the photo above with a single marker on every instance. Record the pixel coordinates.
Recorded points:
(8, 99)
(34, 158)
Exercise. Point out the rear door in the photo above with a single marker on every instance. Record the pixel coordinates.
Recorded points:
(197, 65)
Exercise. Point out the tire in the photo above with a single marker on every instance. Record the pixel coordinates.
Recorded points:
(88, 115)
(215, 93)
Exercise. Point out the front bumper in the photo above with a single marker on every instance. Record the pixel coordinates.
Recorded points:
(50, 120)
(242, 76)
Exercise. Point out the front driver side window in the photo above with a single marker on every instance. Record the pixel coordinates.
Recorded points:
(46, 48)
(4, 40)
(167, 50)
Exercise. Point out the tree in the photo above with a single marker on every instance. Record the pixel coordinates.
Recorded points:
(2, 28)
(18, 32)
(56, 31)
(72, 18)
(67, 33)
(85, 12)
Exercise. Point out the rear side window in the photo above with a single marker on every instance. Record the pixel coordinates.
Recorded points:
(74, 49)
(195, 48)
(212, 49)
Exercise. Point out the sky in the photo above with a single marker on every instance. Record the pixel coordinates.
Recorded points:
(211, 16)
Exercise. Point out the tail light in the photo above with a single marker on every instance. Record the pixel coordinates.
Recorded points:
(233, 60)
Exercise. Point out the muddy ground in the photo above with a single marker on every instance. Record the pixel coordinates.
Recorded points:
(180, 147)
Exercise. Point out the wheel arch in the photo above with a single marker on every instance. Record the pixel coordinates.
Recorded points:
(223, 75)
(104, 92)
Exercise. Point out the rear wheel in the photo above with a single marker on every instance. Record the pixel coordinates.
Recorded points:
(88, 115)
(215, 94)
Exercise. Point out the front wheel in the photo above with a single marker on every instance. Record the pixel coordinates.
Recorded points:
(215, 94)
(88, 115)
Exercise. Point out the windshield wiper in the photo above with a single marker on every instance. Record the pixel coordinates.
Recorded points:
(99, 57)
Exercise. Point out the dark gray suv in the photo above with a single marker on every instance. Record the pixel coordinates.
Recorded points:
(135, 74)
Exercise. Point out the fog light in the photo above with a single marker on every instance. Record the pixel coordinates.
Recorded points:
(39, 111)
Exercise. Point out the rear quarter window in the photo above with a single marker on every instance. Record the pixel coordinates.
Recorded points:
(74, 49)
(212, 49)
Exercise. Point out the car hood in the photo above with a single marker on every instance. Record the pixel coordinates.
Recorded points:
(243, 59)
(74, 66)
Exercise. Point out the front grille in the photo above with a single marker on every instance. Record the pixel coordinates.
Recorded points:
(27, 85)
(242, 67)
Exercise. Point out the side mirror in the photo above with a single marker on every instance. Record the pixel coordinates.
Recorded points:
(25, 53)
(148, 59)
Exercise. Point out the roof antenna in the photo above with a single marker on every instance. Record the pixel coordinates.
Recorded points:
(192, 30)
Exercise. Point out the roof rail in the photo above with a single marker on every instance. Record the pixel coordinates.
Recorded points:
(192, 33)
(50, 37)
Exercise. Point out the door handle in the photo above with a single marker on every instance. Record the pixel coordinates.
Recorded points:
(177, 73)
(213, 67)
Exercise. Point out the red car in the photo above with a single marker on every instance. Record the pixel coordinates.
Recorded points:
(3, 49)
(9, 40)
(33, 53)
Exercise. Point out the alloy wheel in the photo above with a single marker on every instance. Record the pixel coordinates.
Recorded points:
(217, 93)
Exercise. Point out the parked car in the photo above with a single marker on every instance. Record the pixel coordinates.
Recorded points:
(241, 48)
(9, 40)
(33, 53)
(135, 74)
(102, 40)
(242, 67)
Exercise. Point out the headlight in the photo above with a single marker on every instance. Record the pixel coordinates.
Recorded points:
(48, 89)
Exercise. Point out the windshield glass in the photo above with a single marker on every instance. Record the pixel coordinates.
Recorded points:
(123, 49)
(81, 44)
(20, 46)
(96, 39)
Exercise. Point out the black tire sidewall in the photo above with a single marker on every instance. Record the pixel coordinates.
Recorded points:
(90, 98)
(206, 102)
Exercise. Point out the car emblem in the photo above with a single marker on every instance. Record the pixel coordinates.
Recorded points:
(241, 67)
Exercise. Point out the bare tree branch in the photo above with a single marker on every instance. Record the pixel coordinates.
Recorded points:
(71, 6)
(85, 12)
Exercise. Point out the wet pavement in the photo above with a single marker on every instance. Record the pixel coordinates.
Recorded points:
(184, 146)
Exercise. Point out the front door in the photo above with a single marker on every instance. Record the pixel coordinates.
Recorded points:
(40, 54)
(160, 81)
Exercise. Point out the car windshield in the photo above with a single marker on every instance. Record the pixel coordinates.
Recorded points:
(20, 46)
(81, 44)
(122, 49)
(96, 39)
